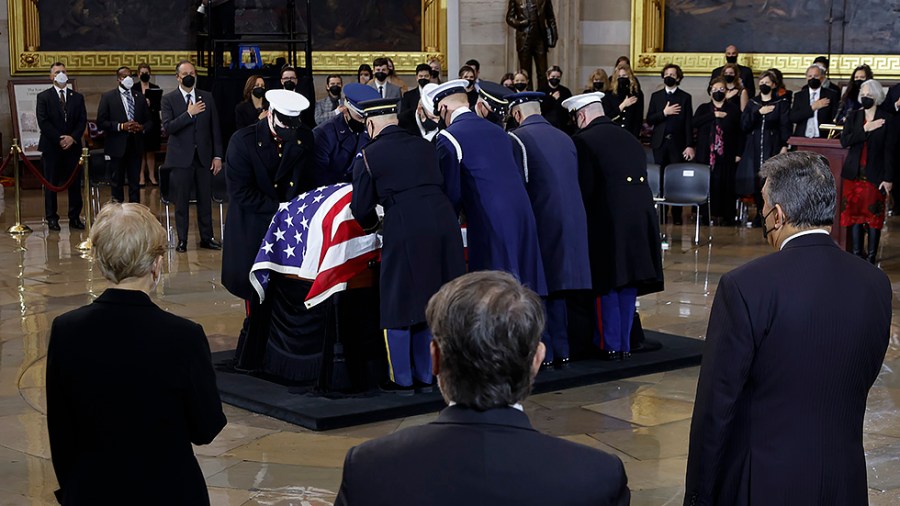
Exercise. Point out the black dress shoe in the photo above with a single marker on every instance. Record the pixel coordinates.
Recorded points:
(562, 363)
(182, 246)
(53, 225)
(423, 388)
(76, 223)
(211, 244)
(392, 388)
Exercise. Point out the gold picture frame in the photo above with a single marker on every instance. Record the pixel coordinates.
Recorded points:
(26, 58)
(648, 56)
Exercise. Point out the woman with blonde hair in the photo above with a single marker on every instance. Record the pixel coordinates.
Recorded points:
(735, 93)
(626, 102)
(123, 373)
(598, 81)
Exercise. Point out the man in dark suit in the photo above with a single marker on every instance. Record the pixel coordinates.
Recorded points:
(409, 104)
(379, 80)
(194, 152)
(623, 227)
(671, 115)
(795, 341)
(485, 354)
(747, 79)
(824, 64)
(814, 105)
(123, 115)
(62, 118)
(891, 105)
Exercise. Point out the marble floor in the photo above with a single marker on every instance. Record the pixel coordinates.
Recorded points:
(258, 460)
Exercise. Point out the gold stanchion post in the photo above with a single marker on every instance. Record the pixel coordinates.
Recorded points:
(86, 245)
(18, 228)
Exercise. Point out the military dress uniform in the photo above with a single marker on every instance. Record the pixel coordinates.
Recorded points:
(261, 171)
(549, 166)
(482, 180)
(338, 141)
(623, 227)
(422, 247)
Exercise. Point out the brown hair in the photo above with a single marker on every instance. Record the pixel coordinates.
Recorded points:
(249, 85)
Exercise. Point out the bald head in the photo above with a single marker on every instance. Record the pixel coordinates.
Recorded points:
(375, 124)
(588, 113)
(451, 103)
(522, 111)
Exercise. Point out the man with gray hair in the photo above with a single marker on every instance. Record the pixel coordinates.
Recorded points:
(814, 105)
(482, 449)
(795, 341)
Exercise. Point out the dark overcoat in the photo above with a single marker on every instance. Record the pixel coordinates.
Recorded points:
(795, 341)
(151, 387)
(550, 170)
(766, 134)
(422, 247)
(623, 227)
(258, 180)
(336, 146)
(482, 179)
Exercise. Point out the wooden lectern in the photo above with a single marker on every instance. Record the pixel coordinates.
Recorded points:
(832, 150)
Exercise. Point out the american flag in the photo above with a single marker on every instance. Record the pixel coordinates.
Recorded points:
(315, 237)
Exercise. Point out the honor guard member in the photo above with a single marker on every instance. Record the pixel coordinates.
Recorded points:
(492, 103)
(549, 164)
(623, 227)
(423, 246)
(266, 163)
(340, 139)
(426, 121)
(482, 180)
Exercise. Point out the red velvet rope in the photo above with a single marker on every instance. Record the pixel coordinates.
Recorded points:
(6, 162)
(36, 172)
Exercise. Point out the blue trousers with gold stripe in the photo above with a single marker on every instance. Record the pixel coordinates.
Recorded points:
(409, 354)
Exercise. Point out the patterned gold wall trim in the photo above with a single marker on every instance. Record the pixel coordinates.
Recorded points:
(25, 57)
(648, 55)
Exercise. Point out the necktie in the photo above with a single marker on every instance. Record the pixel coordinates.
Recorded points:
(188, 99)
(62, 102)
(130, 101)
(381, 91)
(812, 125)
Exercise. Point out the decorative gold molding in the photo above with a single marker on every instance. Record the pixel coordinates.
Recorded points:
(26, 58)
(648, 55)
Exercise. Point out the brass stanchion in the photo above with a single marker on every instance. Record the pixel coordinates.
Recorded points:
(18, 228)
(86, 244)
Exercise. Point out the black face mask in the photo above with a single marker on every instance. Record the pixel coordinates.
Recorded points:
(381, 76)
(510, 86)
(145, 78)
(718, 96)
(814, 84)
(731, 59)
(729, 78)
(471, 83)
(335, 90)
(766, 230)
(494, 118)
(867, 102)
(289, 85)
(520, 86)
(435, 74)
(287, 135)
(624, 84)
(597, 86)
(423, 82)
(355, 126)
(429, 124)
(765, 89)
(670, 81)
(188, 81)
(259, 92)
(554, 82)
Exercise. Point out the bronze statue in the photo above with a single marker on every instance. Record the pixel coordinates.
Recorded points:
(536, 33)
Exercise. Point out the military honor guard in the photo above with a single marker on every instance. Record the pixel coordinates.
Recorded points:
(623, 227)
(483, 181)
(340, 139)
(266, 164)
(492, 103)
(422, 247)
(549, 164)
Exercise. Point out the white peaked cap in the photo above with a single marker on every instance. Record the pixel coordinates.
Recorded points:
(287, 102)
(577, 102)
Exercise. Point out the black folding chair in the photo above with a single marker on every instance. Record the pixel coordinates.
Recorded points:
(219, 193)
(687, 185)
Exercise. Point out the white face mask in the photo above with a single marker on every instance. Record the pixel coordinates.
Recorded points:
(127, 83)
(61, 79)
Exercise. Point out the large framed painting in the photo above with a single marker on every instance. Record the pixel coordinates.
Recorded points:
(23, 106)
(785, 34)
(98, 36)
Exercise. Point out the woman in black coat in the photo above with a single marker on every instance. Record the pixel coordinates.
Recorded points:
(254, 106)
(153, 135)
(868, 172)
(124, 374)
(767, 126)
(626, 106)
(719, 145)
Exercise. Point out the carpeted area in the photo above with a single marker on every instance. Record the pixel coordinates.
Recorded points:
(315, 411)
